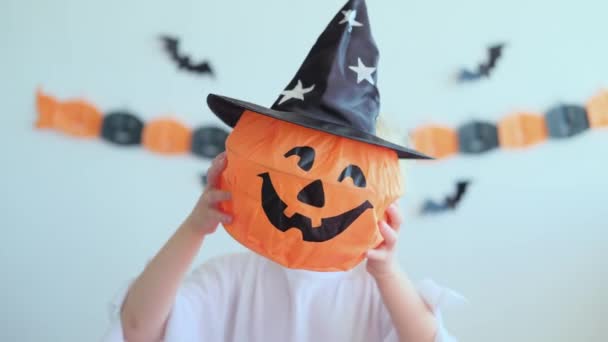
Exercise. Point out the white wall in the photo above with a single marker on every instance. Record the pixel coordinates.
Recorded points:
(80, 217)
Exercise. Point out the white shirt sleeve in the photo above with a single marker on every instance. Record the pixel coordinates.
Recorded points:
(437, 298)
(114, 332)
(198, 312)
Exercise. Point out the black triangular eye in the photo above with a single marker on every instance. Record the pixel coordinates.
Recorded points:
(306, 154)
(354, 172)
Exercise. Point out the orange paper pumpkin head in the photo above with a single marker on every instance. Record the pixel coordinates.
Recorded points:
(305, 198)
(309, 177)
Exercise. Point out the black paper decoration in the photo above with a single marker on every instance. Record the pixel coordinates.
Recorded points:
(449, 203)
(566, 120)
(182, 60)
(484, 68)
(477, 137)
(208, 142)
(122, 128)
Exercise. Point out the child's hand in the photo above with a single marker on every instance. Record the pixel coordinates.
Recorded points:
(206, 215)
(381, 260)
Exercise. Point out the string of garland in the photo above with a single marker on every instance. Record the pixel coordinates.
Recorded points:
(167, 136)
(518, 130)
(82, 119)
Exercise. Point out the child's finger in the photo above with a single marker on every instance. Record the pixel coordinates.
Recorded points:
(216, 196)
(381, 246)
(394, 217)
(219, 157)
(376, 254)
(213, 175)
(217, 215)
(389, 234)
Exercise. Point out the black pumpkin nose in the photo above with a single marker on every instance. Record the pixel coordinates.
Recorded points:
(313, 194)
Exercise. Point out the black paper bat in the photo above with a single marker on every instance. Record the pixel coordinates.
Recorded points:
(449, 203)
(483, 69)
(171, 45)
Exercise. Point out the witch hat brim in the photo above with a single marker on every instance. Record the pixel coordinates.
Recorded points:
(229, 110)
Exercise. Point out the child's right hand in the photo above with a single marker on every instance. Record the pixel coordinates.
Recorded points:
(206, 214)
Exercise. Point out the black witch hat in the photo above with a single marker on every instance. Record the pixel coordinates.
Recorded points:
(335, 89)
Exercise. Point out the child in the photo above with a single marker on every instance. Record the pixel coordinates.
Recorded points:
(245, 297)
(252, 296)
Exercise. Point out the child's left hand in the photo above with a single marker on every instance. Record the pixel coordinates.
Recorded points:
(381, 261)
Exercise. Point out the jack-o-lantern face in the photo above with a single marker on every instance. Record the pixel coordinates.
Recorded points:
(312, 194)
(304, 198)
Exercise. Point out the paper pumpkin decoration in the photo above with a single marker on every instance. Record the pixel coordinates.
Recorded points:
(521, 130)
(309, 177)
(166, 136)
(436, 141)
(306, 198)
(75, 117)
(566, 120)
(597, 110)
(122, 128)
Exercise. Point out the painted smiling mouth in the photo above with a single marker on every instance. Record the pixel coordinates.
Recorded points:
(330, 227)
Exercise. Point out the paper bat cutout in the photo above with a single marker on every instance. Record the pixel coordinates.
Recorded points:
(171, 45)
(449, 203)
(484, 69)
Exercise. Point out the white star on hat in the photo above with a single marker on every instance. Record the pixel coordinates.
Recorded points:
(363, 72)
(297, 92)
(350, 18)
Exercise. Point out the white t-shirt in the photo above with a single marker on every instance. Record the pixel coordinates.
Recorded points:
(245, 297)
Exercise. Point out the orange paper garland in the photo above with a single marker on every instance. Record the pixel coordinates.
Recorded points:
(79, 118)
(517, 130)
